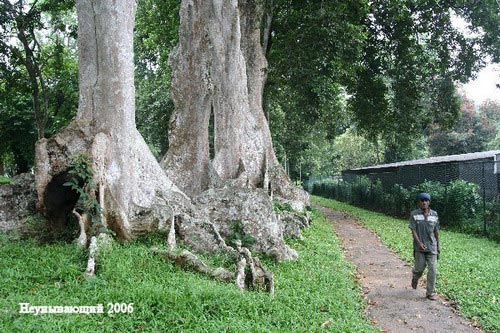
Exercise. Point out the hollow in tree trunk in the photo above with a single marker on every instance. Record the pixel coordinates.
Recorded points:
(133, 190)
(135, 193)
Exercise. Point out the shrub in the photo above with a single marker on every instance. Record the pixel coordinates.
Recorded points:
(492, 218)
(457, 203)
(401, 200)
(360, 190)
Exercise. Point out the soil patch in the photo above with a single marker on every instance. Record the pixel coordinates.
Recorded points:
(393, 305)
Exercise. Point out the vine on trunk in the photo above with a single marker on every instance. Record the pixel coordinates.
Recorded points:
(87, 209)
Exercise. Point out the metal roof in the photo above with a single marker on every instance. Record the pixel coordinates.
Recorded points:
(436, 159)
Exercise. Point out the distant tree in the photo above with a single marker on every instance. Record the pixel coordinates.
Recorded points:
(38, 71)
(17, 126)
(21, 45)
(313, 51)
(155, 35)
(495, 143)
(397, 61)
(491, 111)
(354, 151)
(472, 133)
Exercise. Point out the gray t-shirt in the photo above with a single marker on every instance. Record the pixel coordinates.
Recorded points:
(425, 227)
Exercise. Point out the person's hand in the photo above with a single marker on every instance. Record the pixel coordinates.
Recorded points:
(422, 246)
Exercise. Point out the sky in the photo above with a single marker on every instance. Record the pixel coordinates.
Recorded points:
(484, 86)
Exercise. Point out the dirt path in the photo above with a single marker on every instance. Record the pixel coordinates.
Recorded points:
(392, 304)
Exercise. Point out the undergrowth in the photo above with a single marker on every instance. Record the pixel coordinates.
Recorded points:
(469, 267)
(318, 288)
(4, 180)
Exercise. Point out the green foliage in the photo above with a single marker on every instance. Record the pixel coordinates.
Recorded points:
(495, 143)
(469, 267)
(239, 234)
(4, 180)
(387, 68)
(490, 111)
(17, 126)
(156, 33)
(395, 200)
(38, 76)
(328, 157)
(412, 57)
(472, 133)
(457, 203)
(318, 287)
(61, 73)
(83, 183)
(312, 56)
(492, 218)
(281, 207)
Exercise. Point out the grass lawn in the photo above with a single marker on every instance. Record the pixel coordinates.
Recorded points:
(469, 267)
(318, 288)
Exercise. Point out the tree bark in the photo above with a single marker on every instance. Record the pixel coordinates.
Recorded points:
(135, 194)
(219, 68)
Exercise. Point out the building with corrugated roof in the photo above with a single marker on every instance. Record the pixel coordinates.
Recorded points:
(482, 168)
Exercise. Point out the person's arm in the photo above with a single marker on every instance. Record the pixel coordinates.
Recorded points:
(413, 227)
(436, 235)
(415, 237)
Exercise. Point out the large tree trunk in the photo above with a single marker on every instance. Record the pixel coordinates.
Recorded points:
(219, 71)
(133, 190)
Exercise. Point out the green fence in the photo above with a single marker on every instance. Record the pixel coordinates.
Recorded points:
(459, 203)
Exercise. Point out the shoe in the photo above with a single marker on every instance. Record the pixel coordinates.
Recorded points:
(414, 283)
(432, 297)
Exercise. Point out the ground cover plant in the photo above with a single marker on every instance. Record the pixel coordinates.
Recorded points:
(469, 267)
(4, 180)
(319, 289)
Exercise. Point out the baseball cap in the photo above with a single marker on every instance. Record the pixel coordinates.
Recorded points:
(424, 196)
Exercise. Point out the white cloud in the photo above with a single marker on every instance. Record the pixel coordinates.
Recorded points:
(484, 86)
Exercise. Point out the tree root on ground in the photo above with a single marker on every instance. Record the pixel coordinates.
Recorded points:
(189, 260)
(90, 271)
(98, 245)
(250, 273)
(82, 238)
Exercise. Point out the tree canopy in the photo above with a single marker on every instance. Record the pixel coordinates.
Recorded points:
(385, 69)
(38, 75)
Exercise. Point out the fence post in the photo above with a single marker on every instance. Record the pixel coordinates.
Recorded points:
(447, 183)
(373, 203)
(483, 183)
(339, 193)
